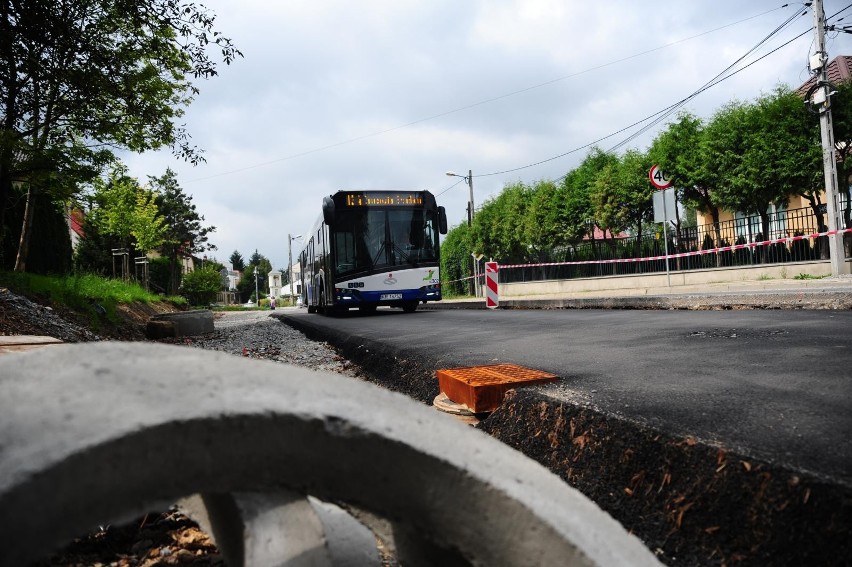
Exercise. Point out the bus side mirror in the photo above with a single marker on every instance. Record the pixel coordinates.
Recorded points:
(442, 220)
(328, 210)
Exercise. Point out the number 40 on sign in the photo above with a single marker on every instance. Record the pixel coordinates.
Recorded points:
(658, 178)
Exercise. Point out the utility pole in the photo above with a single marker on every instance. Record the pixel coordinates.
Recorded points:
(256, 292)
(470, 186)
(469, 179)
(290, 239)
(822, 101)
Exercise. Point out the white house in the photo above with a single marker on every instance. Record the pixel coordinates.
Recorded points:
(275, 283)
(296, 278)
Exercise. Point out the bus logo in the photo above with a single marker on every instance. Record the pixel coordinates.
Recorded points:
(390, 280)
(429, 275)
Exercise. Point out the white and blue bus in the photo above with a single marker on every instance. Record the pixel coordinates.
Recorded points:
(372, 248)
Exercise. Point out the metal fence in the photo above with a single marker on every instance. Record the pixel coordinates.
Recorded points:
(596, 258)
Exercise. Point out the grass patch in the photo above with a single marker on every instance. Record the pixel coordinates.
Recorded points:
(808, 277)
(90, 294)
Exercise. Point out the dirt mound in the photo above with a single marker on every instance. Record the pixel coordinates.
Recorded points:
(34, 315)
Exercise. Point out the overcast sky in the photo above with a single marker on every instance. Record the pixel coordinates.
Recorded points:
(391, 94)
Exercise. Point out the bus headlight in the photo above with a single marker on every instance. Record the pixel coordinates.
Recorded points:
(432, 290)
(346, 294)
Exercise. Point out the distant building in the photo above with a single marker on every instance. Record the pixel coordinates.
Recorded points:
(275, 283)
(296, 278)
(234, 277)
(75, 226)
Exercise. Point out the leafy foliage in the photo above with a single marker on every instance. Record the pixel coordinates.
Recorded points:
(746, 158)
(237, 261)
(579, 215)
(762, 153)
(248, 286)
(456, 261)
(497, 229)
(79, 78)
(184, 232)
(126, 211)
(200, 286)
(543, 230)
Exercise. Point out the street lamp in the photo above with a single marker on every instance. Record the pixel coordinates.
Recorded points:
(256, 292)
(290, 240)
(469, 179)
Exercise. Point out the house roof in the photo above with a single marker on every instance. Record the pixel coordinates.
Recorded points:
(599, 234)
(75, 220)
(839, 71)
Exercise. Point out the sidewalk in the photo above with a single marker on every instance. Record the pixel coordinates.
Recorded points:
(826, 293)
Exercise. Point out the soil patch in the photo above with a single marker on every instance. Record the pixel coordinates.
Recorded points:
(690, 502)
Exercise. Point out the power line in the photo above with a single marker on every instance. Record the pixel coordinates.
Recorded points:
(717, 79)
(483, 102)
(450, 187)
(662, 114)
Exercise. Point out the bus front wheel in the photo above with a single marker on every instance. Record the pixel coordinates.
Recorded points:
(409, 306)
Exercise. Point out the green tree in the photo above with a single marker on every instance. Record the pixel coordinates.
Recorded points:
(78, 77)
(260, 265)
(94, 252)
(255, 258)
(237, 261)
(200, 286)
(607, 201)
(184, 234)
(247, 284)
(126, 211)
(762, 153)
(147, 226)
(636, 192)
(578, 217)
(456, 261)
(678, 150)
(495, 229)
(542, 229)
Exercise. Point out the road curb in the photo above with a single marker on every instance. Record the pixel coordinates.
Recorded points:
(799, 299)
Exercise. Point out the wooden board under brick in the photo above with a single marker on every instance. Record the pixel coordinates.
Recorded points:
(21, 343)
(481, 388)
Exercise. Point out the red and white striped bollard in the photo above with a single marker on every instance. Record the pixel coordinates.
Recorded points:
(491, 300)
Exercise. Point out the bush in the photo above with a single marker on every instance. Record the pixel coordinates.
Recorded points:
(199, 287)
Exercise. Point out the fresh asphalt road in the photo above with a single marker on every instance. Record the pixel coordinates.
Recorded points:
(774, 385)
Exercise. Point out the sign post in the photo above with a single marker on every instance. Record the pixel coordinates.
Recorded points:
(491, 299)
(477, 286)
(661, 206)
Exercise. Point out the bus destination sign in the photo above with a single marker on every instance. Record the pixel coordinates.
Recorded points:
(384, 199)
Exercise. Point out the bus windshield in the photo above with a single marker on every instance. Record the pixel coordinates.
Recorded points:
(375, 239)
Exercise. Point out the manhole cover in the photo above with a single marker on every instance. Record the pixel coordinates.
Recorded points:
(481, 388)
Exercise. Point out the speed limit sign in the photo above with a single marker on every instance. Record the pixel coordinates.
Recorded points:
(658, 178)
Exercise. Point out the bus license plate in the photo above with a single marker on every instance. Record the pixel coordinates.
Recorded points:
(387, 296)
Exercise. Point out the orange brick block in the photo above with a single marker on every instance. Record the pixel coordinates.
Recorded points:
(481, 388)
